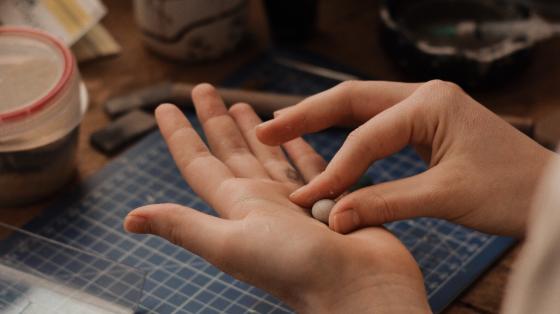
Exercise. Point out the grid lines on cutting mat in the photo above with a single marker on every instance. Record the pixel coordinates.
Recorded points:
(179, 281)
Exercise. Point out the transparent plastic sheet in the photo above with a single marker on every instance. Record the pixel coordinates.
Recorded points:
(39, 275)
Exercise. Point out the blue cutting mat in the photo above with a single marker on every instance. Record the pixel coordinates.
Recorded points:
(450, 256)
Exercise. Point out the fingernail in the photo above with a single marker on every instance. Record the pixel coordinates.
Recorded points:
(264, 124)
(301, 190)
(281, 111)
(295, 193)
(136, 224)
(346, 221)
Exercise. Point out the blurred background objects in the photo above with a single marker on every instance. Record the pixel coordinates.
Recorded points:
(133, 55)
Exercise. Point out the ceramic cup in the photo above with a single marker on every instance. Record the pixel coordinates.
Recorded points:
(191, 30)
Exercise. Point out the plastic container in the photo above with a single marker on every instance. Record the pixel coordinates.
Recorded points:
(34, 281)
(42, 102)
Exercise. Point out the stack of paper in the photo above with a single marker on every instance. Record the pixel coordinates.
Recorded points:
(75, 22)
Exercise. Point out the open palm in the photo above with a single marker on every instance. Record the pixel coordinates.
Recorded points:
(262, 237)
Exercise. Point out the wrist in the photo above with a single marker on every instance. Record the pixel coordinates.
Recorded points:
(376, 293)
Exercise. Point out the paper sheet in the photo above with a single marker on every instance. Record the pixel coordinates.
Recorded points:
(67, 19)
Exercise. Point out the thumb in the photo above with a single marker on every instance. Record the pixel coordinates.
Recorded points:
(195, 231)
(415, 196)
(408, 122)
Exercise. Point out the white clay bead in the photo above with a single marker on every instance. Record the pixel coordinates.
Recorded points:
(321, 210)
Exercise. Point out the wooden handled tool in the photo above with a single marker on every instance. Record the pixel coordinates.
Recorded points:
(264, 103)
(547, 131)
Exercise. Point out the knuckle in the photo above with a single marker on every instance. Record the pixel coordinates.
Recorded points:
(185, 163)
(302, 121)
(355, 137)
(337, 180)
(309, 157)
(359, 144)
(444, 86)
(313, 159)
(173, 235)
(435, 191)
(230, 243)
(177, 135)
(444, 90)
(443, 96)
(379, 208)
(347, 201)
(453, 88)
(371, 207)
(347, 87)
(315, 250)
(231, 249)
(240, 107)
(448, 90)
(433, 85)
(170, 228)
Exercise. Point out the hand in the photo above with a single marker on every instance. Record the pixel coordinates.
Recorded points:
(482, 172)
(263, 238)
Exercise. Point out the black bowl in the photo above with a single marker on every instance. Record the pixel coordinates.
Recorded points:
(470, 62)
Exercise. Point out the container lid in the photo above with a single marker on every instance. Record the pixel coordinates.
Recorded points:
(34, 67)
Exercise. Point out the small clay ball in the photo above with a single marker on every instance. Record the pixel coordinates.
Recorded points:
(321, 210)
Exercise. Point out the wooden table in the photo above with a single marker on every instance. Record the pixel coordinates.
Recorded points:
(347, 33)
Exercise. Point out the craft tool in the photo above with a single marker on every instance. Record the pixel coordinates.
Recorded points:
(122, 131)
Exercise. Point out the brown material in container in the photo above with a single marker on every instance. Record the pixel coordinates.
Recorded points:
(42, 103)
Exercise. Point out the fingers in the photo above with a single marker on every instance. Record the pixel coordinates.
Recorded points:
(197, 232)
(416, 196)
(224, 137)
(381, 136)
(202, 171)
(272, 158)
(351, 102)
(309, 163)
